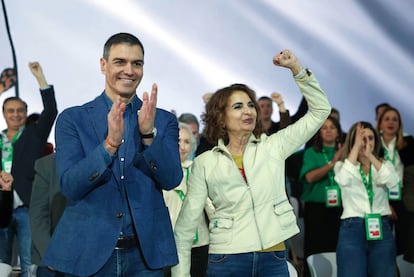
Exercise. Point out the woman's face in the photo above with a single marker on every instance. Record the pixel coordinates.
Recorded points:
(241, 114)
(368, 137)
(390, 123)
(184, 143)
(329, 133)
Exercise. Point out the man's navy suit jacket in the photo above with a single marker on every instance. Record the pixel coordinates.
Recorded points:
(89, 228)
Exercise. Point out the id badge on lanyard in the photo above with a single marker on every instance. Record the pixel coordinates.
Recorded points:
(6, 164)
(373, 222)
(394, 194)
(332, 196)
(332, 192)
(182, 196)
(373, 226)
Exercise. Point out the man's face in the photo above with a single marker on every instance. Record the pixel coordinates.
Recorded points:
(266, 108)
(123, 70)
(194, 129)
(379, 113)
(15, 114)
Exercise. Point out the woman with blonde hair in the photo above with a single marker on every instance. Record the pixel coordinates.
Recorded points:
(399, 150)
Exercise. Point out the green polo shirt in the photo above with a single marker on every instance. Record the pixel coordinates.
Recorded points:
(315, 192)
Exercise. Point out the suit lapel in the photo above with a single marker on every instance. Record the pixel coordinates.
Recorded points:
(98, 110)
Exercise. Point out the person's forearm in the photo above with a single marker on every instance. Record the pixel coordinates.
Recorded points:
(319, 173)
(49, 113)
(285, 119)
(316, 98)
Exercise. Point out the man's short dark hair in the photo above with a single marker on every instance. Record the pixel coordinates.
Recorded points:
(382, 105)
(188, 118)
(264, 98)
(121, 38)
(16, 99)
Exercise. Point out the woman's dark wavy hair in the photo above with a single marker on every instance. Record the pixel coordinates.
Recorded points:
(214, 116)
(318, 143)
(350, 140)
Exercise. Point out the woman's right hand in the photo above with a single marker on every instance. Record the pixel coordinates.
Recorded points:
(287, 59)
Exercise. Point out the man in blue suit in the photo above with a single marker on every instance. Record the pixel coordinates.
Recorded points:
(114, 156)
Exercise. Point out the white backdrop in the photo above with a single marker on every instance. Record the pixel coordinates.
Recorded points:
(361, 51)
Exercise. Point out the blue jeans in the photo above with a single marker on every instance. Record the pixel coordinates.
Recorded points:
(20, 226)
(357, 256)
(248, 264)
(126, 263)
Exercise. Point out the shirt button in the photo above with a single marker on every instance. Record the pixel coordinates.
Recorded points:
(119, 215)
(122, 177)
(122, 159)
(153, 166)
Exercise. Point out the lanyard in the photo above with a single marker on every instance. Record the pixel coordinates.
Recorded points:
(330, 172)
(387, 156)
(7, 151)
(182, 196)
(15, 137)
(180, 192)
(367, 180)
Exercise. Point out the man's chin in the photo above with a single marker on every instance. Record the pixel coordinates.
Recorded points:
(126, 94)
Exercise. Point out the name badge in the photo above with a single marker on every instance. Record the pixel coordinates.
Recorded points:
(395, 193)
(7, 165)
(333, 196)
(373, 226)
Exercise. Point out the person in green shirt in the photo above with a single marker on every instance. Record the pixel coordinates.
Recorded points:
(320, 193)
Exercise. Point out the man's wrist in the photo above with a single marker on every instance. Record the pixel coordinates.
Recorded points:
(111, 144)
(110, 147)
(150, 135)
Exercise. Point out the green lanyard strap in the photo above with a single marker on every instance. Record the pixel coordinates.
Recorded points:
(368, 184)
(15, 137)
(180, 192)
(330, 172)
(182, 196)
(387, 156)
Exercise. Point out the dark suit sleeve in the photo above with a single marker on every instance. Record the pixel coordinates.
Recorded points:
(49, 113)
(285, 119)
(40, 224)
(302, 110)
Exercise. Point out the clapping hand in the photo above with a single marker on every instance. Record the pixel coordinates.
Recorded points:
(146, 114)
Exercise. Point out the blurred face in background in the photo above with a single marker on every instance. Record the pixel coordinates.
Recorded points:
(266, 108)
(390, 123)
(329, 133)
(15, 114)
(184, 142)
(194, 129)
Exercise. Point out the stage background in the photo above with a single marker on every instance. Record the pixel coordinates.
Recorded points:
(361, 51)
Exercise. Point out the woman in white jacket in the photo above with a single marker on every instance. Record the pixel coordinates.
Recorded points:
(244, 178)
